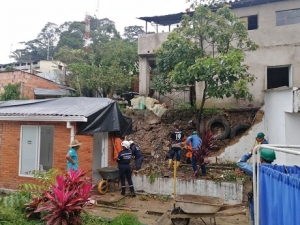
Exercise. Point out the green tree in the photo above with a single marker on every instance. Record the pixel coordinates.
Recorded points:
(209, 47)
(71, 35)
(11, 92)
(132, 32)
(111, 67)
(40, 47)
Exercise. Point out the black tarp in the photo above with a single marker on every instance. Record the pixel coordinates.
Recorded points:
(108, 119)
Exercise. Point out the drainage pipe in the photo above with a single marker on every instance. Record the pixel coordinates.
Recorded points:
(72, 131)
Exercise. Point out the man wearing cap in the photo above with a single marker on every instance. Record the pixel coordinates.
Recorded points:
(266, 156)
(260, 138)
(196, 142)
(72, 157)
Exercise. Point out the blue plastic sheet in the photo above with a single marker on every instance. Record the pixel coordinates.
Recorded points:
(279, 195)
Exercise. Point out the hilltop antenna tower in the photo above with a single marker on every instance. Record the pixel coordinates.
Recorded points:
(87, 31)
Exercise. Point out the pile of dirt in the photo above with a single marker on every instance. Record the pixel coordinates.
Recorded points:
(152, 134)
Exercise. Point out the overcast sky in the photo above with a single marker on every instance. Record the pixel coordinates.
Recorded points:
(22, 20)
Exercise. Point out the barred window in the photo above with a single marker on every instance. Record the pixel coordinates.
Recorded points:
(287, 17)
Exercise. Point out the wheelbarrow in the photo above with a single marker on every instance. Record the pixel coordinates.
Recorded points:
(194, 206)
(109, 175)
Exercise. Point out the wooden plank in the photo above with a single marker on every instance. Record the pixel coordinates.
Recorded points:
(163, 219)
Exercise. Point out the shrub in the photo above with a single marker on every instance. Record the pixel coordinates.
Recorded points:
(125, 219)
(204, 150)
(65, 201)
(11, 216)
(88, 219)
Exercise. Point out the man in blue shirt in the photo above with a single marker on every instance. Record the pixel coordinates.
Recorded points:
(266, 156)
(72, 157)
(196, 142)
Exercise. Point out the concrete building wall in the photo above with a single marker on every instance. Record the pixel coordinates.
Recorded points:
(28, 82)
(279, 46)
(281, 124)
(232, 193)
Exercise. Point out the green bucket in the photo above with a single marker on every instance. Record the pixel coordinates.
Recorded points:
(141, 106)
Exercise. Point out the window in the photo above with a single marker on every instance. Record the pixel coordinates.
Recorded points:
(278, 77)
(251, 22)
(36, 149)
(287, 17)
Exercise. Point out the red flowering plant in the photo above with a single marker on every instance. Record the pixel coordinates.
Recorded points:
(66, 199)
(204, 150)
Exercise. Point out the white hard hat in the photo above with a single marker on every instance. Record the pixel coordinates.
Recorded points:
(125, 144)
(130, 142)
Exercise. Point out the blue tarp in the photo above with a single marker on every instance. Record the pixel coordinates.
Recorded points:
(279, 195)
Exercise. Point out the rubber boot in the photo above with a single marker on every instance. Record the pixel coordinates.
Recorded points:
(123, 191)
(170, 163)
(177, 164)
(132, 193)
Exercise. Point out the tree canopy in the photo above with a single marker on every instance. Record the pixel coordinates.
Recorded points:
(208, 47)
(106, 64)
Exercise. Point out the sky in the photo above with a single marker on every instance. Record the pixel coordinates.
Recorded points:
(22, 20)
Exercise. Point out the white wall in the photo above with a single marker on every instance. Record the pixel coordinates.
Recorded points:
(277, 103)
(234, 152)
(232, 193)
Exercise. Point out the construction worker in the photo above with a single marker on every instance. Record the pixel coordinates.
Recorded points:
(138, 156)
(260, 138)
(266, 156)
(189, 153)
(176, 140)
(196, 142)
(123, 161)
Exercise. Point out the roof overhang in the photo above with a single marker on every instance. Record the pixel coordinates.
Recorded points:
(45, 118)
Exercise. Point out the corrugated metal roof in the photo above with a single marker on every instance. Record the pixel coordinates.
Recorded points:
(50, 92)
(170, 19)
(62, 107)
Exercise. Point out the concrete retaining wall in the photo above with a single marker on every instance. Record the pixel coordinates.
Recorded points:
(232, 193)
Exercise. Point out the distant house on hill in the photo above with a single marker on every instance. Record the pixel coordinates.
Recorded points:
(32, 86)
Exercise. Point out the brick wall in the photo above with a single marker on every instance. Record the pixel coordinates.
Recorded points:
(136, 84)
(10, 147)
(28, 82)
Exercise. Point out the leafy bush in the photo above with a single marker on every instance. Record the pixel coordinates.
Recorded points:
(204, 150)
(65, 201)
(126, 219)
(16, 199)
(88, 219)
(11, 216)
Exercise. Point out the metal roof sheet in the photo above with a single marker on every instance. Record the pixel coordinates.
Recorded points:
(170, 19)
(62, 107)
(50, 92)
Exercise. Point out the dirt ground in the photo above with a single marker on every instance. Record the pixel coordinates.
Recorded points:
(151, 134)
(150, 209)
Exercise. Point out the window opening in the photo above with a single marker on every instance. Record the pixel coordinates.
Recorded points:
(278, 77)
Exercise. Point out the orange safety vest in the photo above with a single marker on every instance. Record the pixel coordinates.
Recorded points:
(117, 146)
(189, 153)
